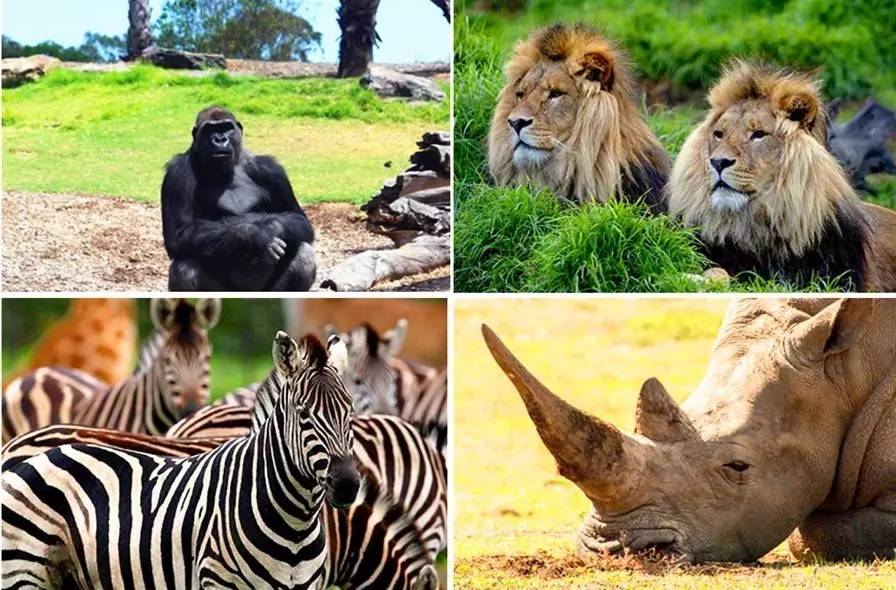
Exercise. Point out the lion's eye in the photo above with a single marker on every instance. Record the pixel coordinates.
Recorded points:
(718, 134)
(758, 134)
(520, 94)
(738, 466)
(556, 93)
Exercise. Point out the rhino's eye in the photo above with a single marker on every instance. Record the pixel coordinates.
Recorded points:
(520, 94)
(738, 466)
(718, 134)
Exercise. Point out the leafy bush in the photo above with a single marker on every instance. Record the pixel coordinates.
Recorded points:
(686, 43)
(613, 247)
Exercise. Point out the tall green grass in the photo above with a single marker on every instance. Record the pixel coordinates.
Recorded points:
(685, 42)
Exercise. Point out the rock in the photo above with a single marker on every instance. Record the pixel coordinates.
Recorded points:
(183, 60)
(21, 70)
(388, 83)
(861, 143)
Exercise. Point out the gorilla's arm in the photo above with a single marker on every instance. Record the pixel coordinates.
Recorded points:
(188, 237)
(284, 208)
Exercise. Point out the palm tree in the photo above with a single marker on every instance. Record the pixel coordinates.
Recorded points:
(357, 21)
(139, 31)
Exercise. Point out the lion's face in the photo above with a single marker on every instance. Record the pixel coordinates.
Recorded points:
(542, 113)
(744, 154)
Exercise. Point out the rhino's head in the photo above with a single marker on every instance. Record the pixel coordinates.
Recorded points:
(727, 476)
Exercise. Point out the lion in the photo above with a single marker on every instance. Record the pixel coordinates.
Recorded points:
(567, 120)
(757, 179)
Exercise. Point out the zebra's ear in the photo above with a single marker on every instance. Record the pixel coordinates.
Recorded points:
(208, 312)
(337, 354)
(394, 338)
(286, 354)
(161, 312)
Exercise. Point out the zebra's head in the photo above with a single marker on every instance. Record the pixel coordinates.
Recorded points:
(185, 350)
(313, 390)
(370, 376)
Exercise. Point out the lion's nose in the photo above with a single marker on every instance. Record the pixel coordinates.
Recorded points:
(721, 163)
(519, 124)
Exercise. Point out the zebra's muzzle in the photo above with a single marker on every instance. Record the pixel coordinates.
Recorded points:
(343, 482)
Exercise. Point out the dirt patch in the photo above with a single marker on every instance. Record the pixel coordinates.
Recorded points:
(86, 243)
(547, 566)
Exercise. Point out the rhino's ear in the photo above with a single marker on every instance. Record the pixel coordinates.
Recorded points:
(659, 418)
(834, 329)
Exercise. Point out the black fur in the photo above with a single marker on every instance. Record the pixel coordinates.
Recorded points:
(646, 182)
(840, 252)
(222, 215)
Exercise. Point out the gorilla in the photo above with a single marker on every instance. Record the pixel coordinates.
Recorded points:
(230, 219)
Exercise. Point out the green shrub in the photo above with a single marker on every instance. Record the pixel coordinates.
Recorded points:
(495, 233)
(613, 247)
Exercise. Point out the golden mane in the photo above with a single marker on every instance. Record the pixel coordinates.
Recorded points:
(810, 189)
(609, 138)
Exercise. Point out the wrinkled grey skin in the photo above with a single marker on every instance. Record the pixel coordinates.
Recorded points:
(793, 425)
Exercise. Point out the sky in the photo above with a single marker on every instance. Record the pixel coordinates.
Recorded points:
(411, 30)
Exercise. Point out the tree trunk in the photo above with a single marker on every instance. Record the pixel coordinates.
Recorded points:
(357, 21)
(445, 7)
(139, 30)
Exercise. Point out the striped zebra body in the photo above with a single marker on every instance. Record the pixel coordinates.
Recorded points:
(415, 392)
(404, 463)
(376, 543)
(422, 398)
(244, 515)
(48, 395)
(173, 381)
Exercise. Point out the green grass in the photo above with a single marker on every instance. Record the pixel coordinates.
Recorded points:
(112, 133)
(516, 240)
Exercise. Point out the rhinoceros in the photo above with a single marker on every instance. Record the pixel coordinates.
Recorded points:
(792, 427)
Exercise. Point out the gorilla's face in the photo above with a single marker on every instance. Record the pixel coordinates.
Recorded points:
(218, 143)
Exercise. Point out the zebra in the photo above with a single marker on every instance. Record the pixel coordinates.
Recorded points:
(244, 515)
(372, 544)
(416, 392)
(394, 451)
(174, 383)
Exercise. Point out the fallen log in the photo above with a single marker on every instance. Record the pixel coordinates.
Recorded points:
(364, 270)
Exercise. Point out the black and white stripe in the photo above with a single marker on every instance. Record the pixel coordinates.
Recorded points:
(405, 464)
(245, 515)
(417, 393)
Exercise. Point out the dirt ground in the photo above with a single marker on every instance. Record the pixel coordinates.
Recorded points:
(86, 243)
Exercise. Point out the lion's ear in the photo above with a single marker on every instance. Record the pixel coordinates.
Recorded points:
(597, 66)
(799, 106)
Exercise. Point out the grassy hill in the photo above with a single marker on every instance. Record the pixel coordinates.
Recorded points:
(112, 133)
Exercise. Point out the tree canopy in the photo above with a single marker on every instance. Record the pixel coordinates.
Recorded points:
(95, 48)
(245, 29)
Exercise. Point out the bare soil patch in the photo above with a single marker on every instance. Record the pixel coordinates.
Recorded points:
(88, 243)
(547, 566)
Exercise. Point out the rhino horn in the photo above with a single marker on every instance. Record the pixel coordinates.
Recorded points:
(594, 455)
(659, 418)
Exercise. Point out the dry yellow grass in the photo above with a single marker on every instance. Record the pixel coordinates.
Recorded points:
(515, 518)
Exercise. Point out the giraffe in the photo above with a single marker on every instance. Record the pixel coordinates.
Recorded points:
(97, 336)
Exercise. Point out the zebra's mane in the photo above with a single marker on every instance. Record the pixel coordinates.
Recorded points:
(149, 350)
